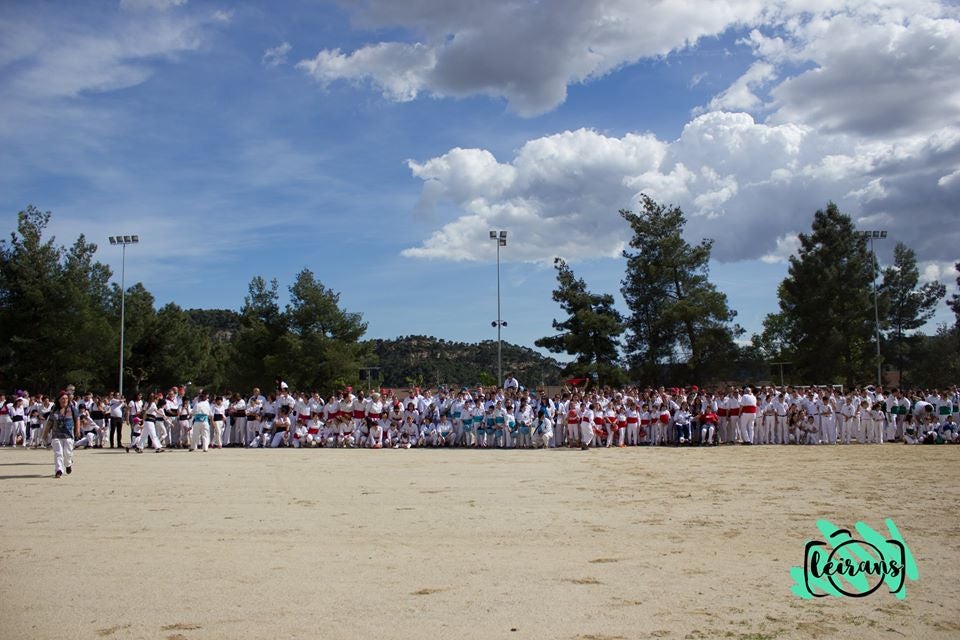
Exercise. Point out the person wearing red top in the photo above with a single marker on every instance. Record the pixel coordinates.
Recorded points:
(708, 428)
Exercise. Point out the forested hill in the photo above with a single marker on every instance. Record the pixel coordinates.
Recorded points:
(422, 360)
(428, 361)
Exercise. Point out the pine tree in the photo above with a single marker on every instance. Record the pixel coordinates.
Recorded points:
(677, 314)
(910, 306)
(826, 301)
(590, 332)
(51, 309)
(255, 348)
(322, 348)
(954, 301)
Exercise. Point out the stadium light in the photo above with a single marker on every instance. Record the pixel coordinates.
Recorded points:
(123, 241)
(500, 237)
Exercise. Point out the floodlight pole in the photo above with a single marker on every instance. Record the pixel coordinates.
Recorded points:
(123, 241)
(500, 237)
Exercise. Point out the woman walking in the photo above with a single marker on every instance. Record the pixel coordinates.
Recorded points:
(64, 424)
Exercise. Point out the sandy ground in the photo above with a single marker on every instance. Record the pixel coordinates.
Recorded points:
(623, 543)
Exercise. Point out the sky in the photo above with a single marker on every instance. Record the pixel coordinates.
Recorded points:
(377, 142)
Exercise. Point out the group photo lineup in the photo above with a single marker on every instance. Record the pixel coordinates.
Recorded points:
(515, 319)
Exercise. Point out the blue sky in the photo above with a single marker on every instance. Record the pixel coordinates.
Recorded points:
(377, 142)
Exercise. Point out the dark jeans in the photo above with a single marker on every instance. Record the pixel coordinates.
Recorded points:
(683, 431)
(116, 427)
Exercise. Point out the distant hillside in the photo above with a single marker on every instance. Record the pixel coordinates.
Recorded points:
(221, 323)
(424, 360)
(428, 361)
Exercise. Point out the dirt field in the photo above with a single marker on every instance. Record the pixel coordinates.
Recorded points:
(628, 543)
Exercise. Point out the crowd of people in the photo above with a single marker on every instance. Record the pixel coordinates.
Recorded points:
(504, 417)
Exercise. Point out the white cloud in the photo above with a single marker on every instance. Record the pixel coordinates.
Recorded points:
(874, 76)
(399, 70)
(845, 50)
(863, 104)
(67, 59)
(787, 245)
(950, 180)
(746, 184)
(740, 95)
(464, 48)
(938, 271)
(277, 55)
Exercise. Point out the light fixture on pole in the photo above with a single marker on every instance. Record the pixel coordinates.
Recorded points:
(123, 241)
(500, 237)
(871, 236)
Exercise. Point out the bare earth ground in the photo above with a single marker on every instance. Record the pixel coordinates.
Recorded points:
(624, 543)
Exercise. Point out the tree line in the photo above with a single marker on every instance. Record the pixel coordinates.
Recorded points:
(681, 330)
(60, 321)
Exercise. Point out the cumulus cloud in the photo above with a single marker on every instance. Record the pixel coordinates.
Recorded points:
(873, 77)
(855, 102)
(399, 70)
(749, 185)
(525, 52)
(740, 95)
(529, 55)
(787, 245)
(277, 55)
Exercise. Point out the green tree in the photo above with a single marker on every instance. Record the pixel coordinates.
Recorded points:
(590, 332)
(954, 301)
(909, 305)
(323, 347)
(826, 301)
(774, 344)
(51, 309)
(677, 314)
(255, 351)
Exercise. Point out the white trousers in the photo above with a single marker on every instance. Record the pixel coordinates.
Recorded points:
(18, 428)
(6, 428)
(62, 454)
(706, 433)
(149, 436)
(619, 437)
(200, 435)
(765, 429)
(89, 439)
(828, 430)
(542, 439)
(748, 421)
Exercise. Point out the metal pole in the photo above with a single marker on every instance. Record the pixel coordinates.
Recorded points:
(499, 348)
(123, 296)
(876, 312)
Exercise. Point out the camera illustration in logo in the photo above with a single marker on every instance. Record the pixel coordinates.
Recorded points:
(842, 565)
